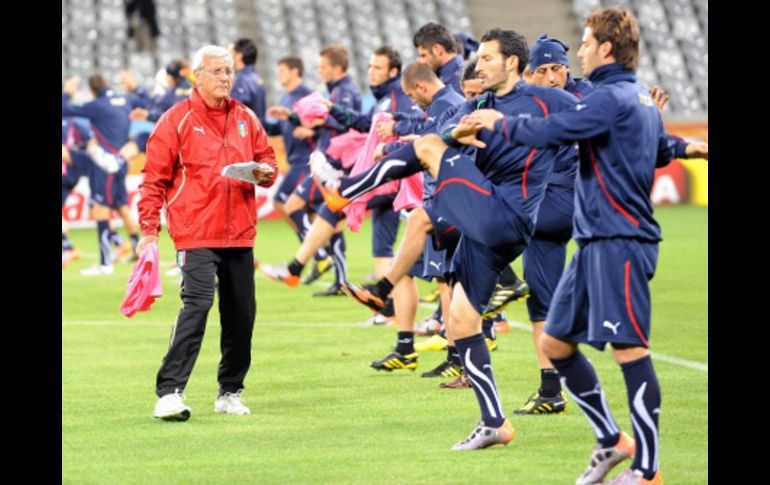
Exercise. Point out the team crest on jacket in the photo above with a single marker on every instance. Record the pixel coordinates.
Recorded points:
(242, 127)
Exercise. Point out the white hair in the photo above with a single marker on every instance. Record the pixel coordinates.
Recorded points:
(210, 51)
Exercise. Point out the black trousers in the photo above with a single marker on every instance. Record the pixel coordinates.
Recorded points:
(234, 269)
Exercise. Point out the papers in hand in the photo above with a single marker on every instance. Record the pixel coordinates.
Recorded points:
(245, 170)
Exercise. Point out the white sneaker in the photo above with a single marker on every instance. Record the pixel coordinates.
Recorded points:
(323, 171)
(171, 407)
(98, 270)
(230, 403)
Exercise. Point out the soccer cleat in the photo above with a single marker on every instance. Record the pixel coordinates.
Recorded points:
(98, 270)
(394, 360)
(332, 198)
(537, 404)
(279, 273)
(491, 344)
(333, 290)
(427, 326)
(635, 477)
(171, 407)
(461, 382)
(69, 256)
(378, 319)
(323, 171)
(319, 269)
(604, 459)
(230, 403)
(366, 295)
(436, 343)
(503, 295)
(431, 297)
(484, 437)
(444, 369)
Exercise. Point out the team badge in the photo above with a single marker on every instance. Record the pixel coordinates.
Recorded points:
(242, 128)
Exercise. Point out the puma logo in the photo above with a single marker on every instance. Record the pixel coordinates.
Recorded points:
(451, 161)
(596, 390)
(199, 129)
(435, 265)
(609, 324)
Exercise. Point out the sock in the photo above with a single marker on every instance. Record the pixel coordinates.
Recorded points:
(579, 377)
(115, 238)
(66, 244)
(337, 244)
(103, 236)
(453, 356)
(396, 165)
(644, 402)
(295, 267)
(405, 343)
(322, 254)
(549, 383)
(383, 288)
(134, 241)
(507, 277)
(298, 217)
(488, 328)
(476, 361)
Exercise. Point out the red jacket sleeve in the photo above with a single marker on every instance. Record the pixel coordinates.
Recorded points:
(159, 172)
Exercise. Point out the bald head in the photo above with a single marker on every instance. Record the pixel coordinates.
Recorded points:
(420, 83)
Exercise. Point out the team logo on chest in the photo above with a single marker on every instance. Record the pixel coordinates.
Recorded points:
(242, 128)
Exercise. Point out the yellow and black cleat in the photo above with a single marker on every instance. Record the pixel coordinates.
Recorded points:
(537, 404)
(394, 361)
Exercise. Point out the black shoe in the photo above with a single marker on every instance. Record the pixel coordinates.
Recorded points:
(504, 295)
(394, 360)
(444, 369)
(319, 269)
(537, 404)
(333, 290)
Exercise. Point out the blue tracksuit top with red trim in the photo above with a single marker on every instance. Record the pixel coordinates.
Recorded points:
(73, 134)
(248, 89)
(108, 114)
(519, 172)
(565, 167)
(297, 150)
(451, 73)
(389, 98)
(621, 141)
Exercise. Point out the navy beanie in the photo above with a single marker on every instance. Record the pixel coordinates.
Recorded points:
(547, 51)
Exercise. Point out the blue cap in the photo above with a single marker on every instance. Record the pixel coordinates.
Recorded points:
(547, 51)
(469, 44)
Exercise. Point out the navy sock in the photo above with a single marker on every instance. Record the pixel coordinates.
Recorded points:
(66, 244)
(322, 254)
(579, 377)
(134, 240)
(488, 328)
(337, 244)
(549, 383)
(507, 276)
(453, 356)
(115, 238)
(644, 403)
(405, 343)
(301, 220)
(396, 165)
(103, 236)
(476, 361)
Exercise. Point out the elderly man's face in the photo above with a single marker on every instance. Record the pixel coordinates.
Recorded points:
(215, 80)
(550, 75)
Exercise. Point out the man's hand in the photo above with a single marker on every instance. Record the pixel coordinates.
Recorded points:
(378, 151)
(660, 97)
(465, 132)
(697, 150)
(279, 112)
(71, 85)
(302, 132)
(262, 176)
(486, 118)
(409, 137)
(385, 129)
(138, 114)
(144, 242)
